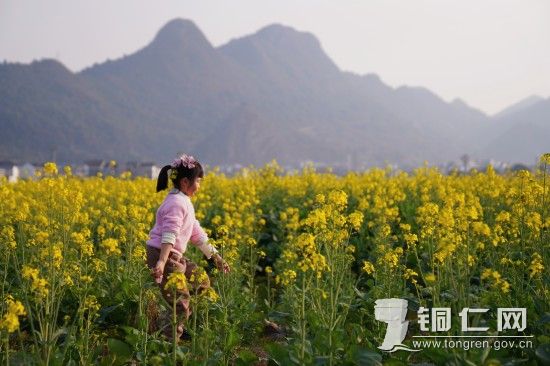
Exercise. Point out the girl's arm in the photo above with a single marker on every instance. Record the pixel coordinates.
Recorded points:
(161, 263)
(164, 252)
(221, 264)
(200, 240)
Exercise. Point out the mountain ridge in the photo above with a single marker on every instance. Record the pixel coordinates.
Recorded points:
(271, 94)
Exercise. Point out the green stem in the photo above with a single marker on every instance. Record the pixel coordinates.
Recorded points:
(268, 291)
(207, 331)
(543, 207)
(252, 271)
(195, 311)
(7, 340)
(303, 321)
(333, 298)
(174, 329)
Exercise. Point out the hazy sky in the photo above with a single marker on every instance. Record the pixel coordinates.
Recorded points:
(490, 53)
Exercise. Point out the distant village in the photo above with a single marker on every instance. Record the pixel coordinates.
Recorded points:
(93, 168)
(462, 165)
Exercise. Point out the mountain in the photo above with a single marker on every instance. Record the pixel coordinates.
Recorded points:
(179, 87)
(522, 104)
(521, 134)
(45, 109)
(272, 94)
(354, 115)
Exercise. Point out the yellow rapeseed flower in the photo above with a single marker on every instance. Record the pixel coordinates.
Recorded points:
(90, 305)
(286, 278)
(50, 168)
(410, 275)
(10, 320)
(545, 158)
(536, 267)
(356, 219)
(98, 265)
(138, 253)
(430, 278)
(368, 267)
(52, 253)
(176, 281)
(317, 219)
(111, 246)
(198, 276)
(38, 285)
(211, 294)
(410, 240)
(338, 198)
(320, 198)
(391, 257)
(7, 237)
(495, 280)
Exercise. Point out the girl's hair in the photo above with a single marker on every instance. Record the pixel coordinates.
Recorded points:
(177, 173)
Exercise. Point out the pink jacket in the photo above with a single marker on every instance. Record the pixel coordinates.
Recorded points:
(176, 224)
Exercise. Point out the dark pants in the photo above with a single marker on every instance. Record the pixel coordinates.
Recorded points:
(182, 265)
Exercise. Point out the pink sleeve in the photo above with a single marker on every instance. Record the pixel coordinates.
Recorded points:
(173, 219)
(200, 240)
(198, 236)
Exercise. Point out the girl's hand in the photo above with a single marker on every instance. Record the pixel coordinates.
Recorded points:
(158, 271)
(221, 264)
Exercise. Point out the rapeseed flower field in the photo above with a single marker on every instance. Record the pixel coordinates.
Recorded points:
(310, 254)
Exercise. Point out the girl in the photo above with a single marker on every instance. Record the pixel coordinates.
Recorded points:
(176, 225)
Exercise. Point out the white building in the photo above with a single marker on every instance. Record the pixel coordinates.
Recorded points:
(9, 170)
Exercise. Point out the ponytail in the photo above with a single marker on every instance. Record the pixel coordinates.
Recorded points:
(162, 180)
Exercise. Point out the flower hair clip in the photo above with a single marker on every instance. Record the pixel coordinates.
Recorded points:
(185, 160)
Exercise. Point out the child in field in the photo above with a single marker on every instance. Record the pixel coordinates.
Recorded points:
(176, 225)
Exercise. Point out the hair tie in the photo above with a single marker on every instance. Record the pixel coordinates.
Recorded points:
(184, 160)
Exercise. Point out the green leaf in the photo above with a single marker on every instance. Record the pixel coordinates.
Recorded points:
(394, 362)
(278, 353)
(439, 356)
(543, 353)
(321, 360)
(133, 335)
(119, 351)
(246, 357)
(364, 357)
(233, 339)
(545, 319)
(155, 360)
